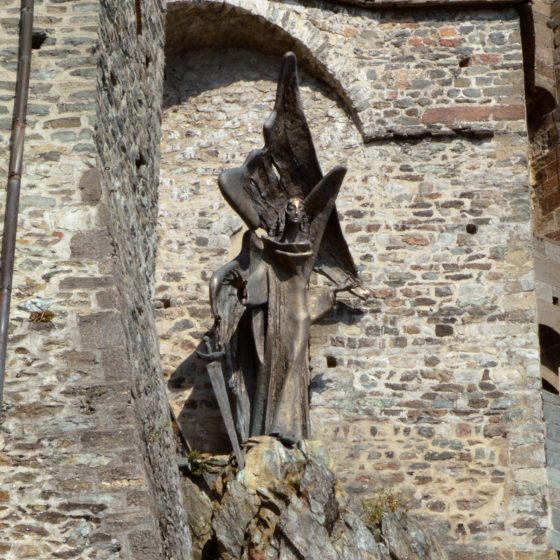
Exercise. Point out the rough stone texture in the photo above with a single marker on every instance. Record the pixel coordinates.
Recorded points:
(546, 254)
(287, 504)
(544, 26)
(76, 463)
(127, 136)
(543, 114)
(433, 385)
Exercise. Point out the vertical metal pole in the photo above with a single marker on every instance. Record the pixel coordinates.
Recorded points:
(14, 180)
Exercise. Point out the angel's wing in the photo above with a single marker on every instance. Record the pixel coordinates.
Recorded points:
(288, 167)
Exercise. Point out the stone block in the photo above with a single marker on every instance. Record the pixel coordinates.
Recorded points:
(145, 543)
(86, 282)
(101, 330)
(91, 245)
(90, 185)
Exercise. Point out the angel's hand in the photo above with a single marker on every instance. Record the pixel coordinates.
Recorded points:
(235, 279)
(345, 287)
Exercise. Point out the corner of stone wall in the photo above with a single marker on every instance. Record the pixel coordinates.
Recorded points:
(130, 74)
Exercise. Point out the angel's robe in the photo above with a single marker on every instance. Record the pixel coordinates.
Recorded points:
(267, 349)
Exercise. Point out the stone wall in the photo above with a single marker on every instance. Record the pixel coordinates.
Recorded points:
(546, 254)
(452, 80)
(433, 385)
(87, 467)
(130, 83)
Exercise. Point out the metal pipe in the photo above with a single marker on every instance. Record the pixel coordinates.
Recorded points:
(14, 180)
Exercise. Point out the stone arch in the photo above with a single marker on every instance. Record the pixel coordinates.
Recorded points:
(261, 27)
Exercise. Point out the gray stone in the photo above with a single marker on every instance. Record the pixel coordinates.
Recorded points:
(406, 538)
(101, 330)
(200, 512)
(94, 244)
(231, 519)
(90, 185)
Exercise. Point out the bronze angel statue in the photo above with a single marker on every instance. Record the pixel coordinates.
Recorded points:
(260, 300)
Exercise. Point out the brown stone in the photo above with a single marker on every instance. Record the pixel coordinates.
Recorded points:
(444, 330)
(415, 240)
(90, 185)
(92, 245)
(455, 115)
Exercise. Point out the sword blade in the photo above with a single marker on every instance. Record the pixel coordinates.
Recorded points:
(216, 375)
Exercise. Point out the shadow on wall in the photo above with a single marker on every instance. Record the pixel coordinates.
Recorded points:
(200, 419)
(228, 66)
(190, 74)
(218, 25)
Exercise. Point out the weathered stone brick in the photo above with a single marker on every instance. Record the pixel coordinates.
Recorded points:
(91, 245)
(90, 186)
(101, 330)
(473, 113)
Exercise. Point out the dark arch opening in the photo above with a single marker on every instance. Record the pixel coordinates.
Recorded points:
(539, 105)
(549, 341)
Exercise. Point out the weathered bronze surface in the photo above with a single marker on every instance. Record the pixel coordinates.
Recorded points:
(260, 300)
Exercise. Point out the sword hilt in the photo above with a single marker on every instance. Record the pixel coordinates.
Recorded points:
(211, 354)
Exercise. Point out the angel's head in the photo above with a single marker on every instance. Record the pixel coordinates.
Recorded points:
(295, 210)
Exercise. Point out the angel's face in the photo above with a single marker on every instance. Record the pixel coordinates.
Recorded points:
(295, 210)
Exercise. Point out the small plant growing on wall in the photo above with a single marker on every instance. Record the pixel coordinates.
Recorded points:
(196, 463)
(380, 502)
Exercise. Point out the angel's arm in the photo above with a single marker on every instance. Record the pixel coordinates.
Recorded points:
(217, 281)
(323, 303)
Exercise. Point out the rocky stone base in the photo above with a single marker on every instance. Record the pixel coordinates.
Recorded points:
(286, 504)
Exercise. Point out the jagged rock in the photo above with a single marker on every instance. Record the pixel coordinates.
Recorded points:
(231, 518)
(407, 538)
(353, 540)
(200, 512)
(286, 504)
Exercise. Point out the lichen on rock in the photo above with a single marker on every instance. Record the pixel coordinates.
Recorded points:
(287, 504)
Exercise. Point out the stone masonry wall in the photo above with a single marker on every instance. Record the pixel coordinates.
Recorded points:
(130, 85)
(381, 63)
(432, 387)
(77, 465)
